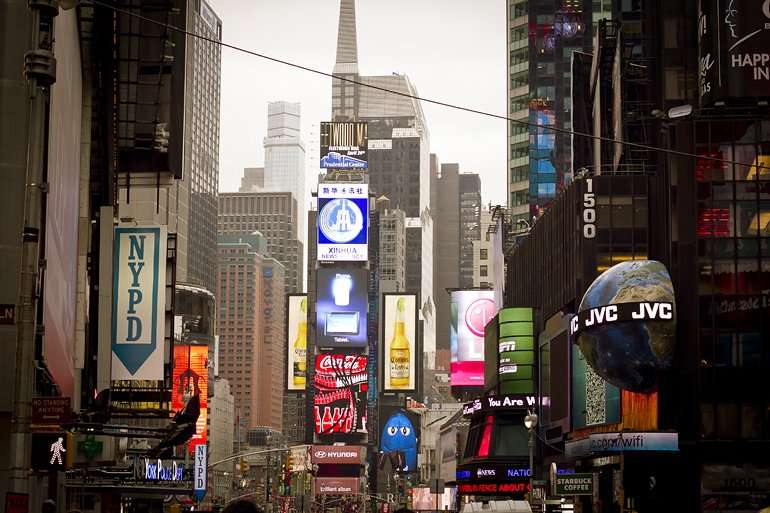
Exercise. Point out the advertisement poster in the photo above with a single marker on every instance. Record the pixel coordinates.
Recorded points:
(399, 342)
(344, 145)
(342, 307)
(424, 500)
(734, 49)
(471, 311)
(343, 222)
(191, 378)
(399, 437)
(296, 342)
(340, 385)
(139, 302)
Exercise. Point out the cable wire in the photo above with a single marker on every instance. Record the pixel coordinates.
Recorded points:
(630, 144)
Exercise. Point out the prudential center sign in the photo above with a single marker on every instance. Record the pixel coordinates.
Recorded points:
(138, 302)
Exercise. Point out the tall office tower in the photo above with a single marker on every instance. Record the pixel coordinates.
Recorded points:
(541, 37)
(457, 209)
(285, 155)
(392, 247)
(221, 436)
(274, 214)
(399, 162)
(251, 327)
(253, 179)
(483, 272)
(445, 186)
(470, 224)
(189, 206)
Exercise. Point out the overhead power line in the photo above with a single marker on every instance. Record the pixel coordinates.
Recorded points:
(422, 99)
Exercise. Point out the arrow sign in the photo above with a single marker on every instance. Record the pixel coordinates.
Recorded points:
(138, 302)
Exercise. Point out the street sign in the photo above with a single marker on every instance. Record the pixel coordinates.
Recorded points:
(575, 484)
(16, 502)
(51, 411)
(201, 462)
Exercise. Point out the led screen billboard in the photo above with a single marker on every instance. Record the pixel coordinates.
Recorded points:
(471, 311)
(399, 342)
(296, 342)
(344, 145)
(191, 376)
(342, 307)
(400, 437)
(339, 403)
(343, 222)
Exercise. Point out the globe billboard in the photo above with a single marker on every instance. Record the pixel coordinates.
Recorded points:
(625, 324)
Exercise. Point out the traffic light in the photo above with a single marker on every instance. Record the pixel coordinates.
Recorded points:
(244, 466)
(289, 463)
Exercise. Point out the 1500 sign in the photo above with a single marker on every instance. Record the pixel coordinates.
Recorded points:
(589, 210)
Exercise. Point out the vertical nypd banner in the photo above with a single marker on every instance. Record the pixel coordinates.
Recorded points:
(138, 302)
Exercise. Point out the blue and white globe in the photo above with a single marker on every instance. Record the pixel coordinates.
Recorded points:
(341, 220)
(630, 354)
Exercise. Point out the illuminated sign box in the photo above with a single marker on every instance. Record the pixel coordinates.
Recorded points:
(343, 222)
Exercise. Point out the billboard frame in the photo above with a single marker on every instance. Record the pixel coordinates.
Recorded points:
(417, 344)
(321, 342)
(287, 304)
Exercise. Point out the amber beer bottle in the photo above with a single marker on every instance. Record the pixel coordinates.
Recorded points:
(300, 347)
(399, 351)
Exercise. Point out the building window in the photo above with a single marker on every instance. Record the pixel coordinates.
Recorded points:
(483, 270)
(483, 254)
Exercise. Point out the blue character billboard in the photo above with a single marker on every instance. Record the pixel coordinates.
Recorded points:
(343, 222)
(399, 437)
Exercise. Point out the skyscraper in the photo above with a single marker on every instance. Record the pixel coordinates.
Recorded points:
(399, 162)
(274, 215)
(251, 327)
(541, 37)
(189, 206)
(470, 224)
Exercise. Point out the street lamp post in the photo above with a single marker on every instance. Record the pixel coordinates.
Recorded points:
(530, 422)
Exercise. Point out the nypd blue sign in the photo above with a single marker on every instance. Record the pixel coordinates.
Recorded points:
(343, 222)
(138, 302)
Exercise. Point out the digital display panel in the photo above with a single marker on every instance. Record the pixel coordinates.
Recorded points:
(344, 145)
(471, 311)
(399, 342)
(343, 222)
(296, 342)
(340, 385)
(191, 378)
(424, 500)
(342, 306)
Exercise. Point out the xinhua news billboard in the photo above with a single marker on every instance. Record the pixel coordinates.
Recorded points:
(399, 342)
(344, 145)
(343, 222)
(296, 342)
(339, 403)
(341, 307)
(191, 377)
(471, 310)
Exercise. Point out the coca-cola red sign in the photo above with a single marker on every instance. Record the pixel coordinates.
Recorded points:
(340, 393)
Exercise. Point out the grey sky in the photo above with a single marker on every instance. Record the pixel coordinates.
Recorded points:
(452, 50)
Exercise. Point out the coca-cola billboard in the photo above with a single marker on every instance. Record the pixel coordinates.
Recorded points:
(340, 394)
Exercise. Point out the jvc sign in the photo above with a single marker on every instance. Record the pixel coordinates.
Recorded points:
(138, 302)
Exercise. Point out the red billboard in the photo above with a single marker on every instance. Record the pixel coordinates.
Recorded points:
(191, 365)
(340, 385)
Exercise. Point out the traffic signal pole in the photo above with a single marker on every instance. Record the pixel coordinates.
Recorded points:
(40, 72)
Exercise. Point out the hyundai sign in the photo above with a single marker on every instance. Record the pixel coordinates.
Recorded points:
(138, 302)
(343, 222)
